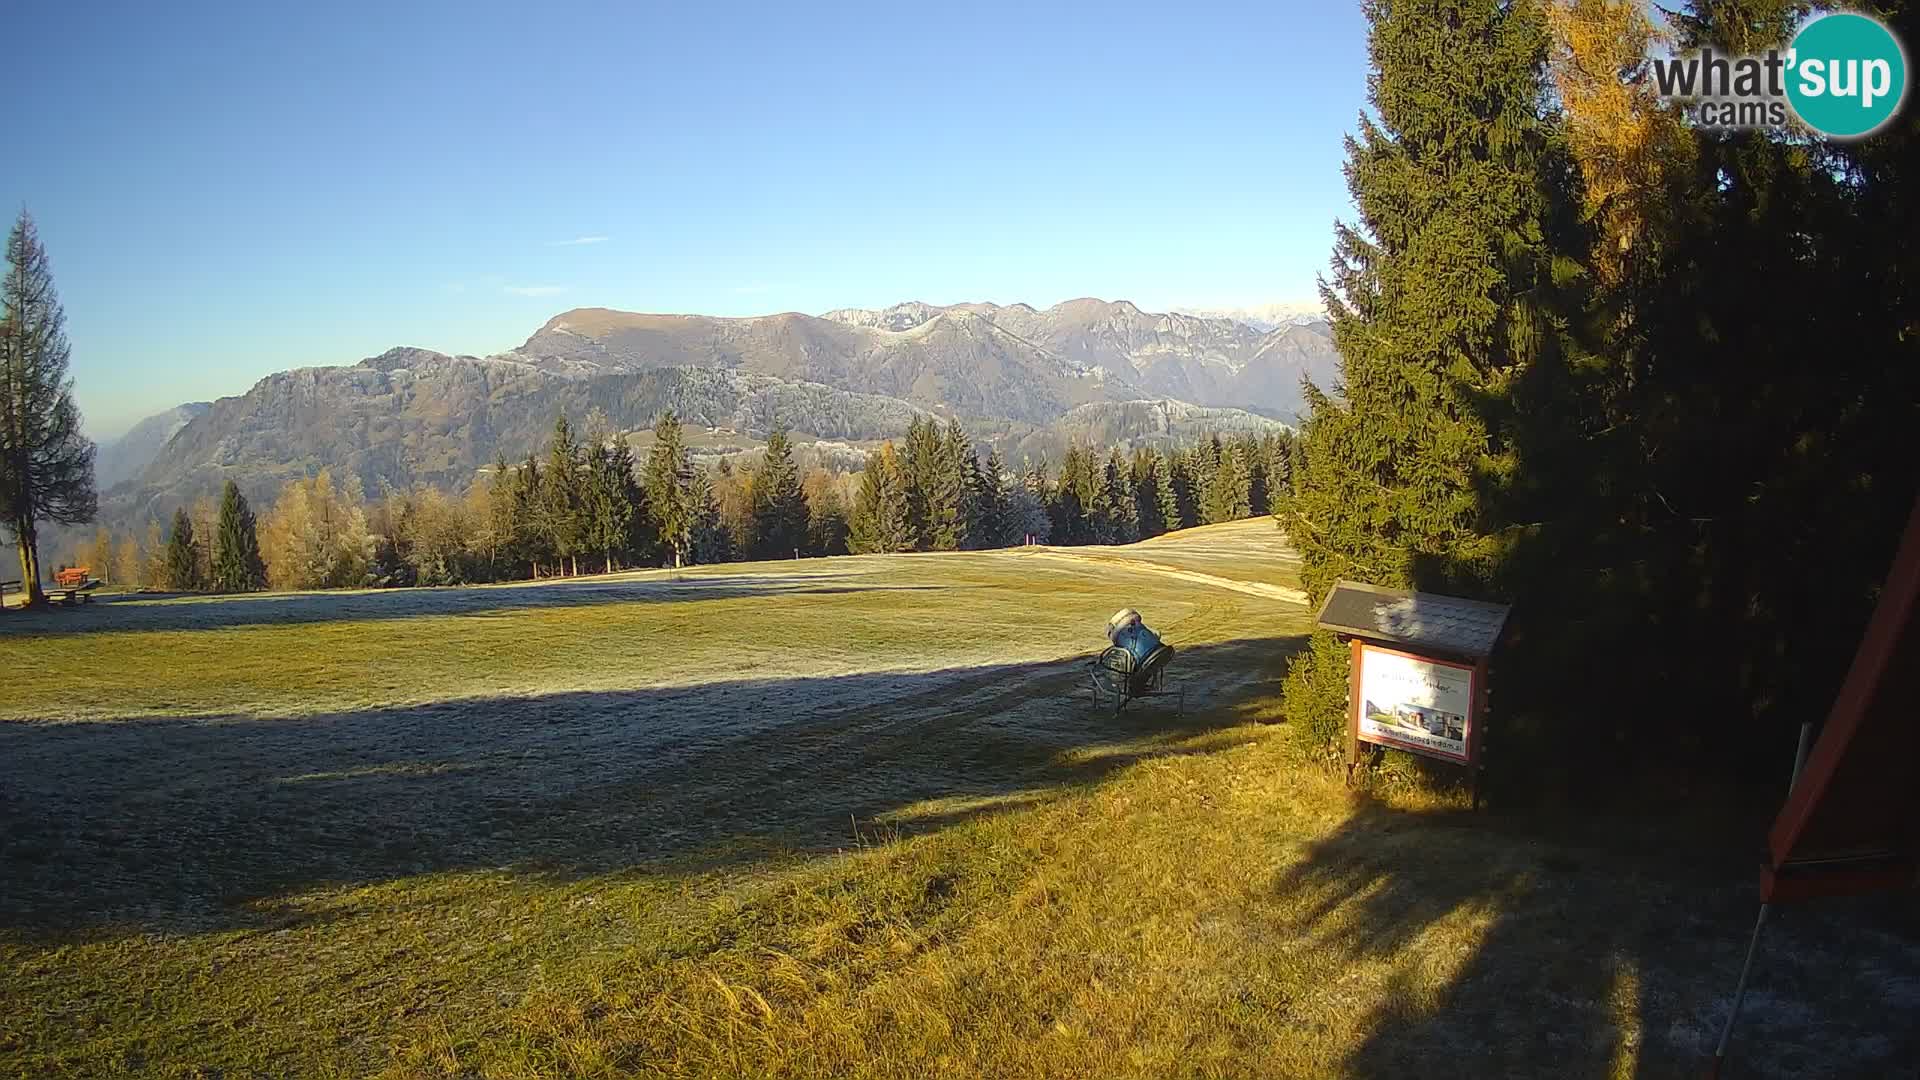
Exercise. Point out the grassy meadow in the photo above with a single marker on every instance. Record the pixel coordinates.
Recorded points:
(836, 817)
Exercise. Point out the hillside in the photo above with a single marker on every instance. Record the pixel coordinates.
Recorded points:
(129, 455)
(612, 827)
(412, 416)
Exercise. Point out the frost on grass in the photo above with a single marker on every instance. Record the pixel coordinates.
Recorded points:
(695, 709)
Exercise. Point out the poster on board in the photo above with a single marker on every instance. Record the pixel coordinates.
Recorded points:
(1425, 706)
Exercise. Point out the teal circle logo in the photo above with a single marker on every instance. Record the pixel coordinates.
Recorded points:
(1847, 75)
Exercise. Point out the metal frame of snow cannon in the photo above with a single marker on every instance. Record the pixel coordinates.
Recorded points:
(1115, 676)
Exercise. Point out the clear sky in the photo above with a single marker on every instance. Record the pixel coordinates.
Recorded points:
(229, 190)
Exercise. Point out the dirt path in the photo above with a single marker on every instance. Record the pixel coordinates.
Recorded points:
(1251, 588)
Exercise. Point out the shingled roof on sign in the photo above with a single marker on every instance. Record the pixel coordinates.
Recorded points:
(1420, 621)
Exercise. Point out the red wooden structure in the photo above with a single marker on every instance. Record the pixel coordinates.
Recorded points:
(1851, 823)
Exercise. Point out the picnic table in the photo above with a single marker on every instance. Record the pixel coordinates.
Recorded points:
(68, 588)
(63, 593)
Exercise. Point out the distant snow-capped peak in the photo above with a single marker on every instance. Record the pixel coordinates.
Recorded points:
(1265, 316)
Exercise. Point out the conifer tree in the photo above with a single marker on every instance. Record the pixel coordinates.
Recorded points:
(669, 473)
(532, 537)
(1122, 512)
(960, 478)
(779, 506)
(46, 464)
(562, 497)
(607, 509)
(1168, 502)
(933, 487)
(183, 556)
(1146, 494)
(1033, 508)
(500, 541)
(711, 540)
(1225, 496)
(994, 520)
(236, 545)
(640, 541)
(879, 523)
(827, 513)
(1256, 459)
(1186, 495)
(1443, 295)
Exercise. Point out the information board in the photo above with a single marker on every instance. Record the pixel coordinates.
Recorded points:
(1414, 703)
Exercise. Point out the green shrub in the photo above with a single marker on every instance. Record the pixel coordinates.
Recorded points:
(1315, 703)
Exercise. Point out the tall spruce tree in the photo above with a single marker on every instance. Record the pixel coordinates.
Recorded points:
(607, 505)
(669, 498)
(563, 497)
(1146, 492)
(641, 540)
(1444, 297)
(1167, 500)
(961, 477)
(183, 555)
(1033, 510)
(933, 487)
(1122, 512)
(498, 530)
(995, 518)
(1072, 509)
(236, 545)
(1226, 494)
(711, 540)
(1186, 495)
(46, 464)
(532, 538)
(1256, 456)
(779, 506)
(879, 523)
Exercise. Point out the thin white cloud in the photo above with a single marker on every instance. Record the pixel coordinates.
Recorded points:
(534, 290)
(579, 240)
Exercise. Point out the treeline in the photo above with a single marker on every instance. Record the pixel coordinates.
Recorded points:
(1652, 383)
(583, 503)
(934, 494)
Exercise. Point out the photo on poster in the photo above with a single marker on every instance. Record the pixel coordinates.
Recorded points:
(1418, 705)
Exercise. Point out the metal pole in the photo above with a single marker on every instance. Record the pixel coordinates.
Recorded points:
(1753, 945)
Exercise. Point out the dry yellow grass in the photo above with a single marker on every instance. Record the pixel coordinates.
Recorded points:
(836, 818)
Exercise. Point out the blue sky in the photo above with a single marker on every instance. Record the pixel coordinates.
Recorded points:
(231, 190)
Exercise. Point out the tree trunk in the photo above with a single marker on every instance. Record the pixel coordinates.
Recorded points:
(30, 566)
(609, 562)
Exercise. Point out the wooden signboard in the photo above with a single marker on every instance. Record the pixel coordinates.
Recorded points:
(1418, 672)
(1415, 703)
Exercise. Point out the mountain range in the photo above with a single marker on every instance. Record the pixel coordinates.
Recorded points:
(1026, 380)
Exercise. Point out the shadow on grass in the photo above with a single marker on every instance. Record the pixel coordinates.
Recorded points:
(136, 612)
(1595, 948)
(187, 825)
